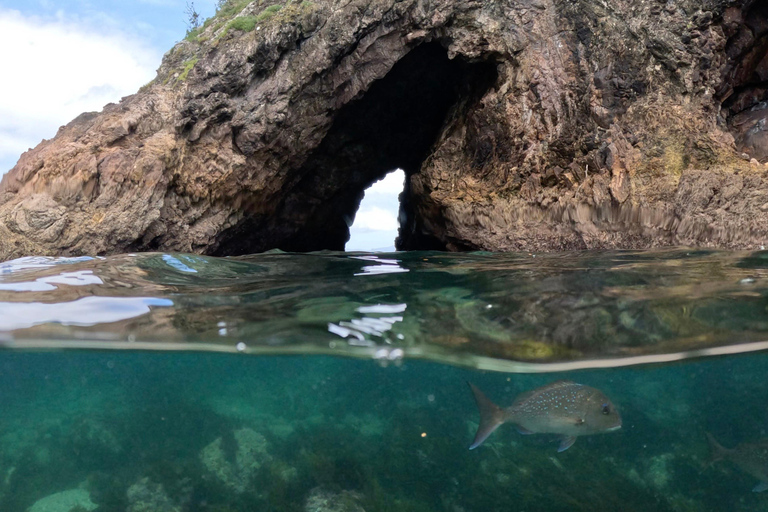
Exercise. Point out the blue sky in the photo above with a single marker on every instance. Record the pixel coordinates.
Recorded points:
(157, 23)
(62, 58)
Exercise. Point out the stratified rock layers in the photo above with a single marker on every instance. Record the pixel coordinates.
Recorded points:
(521, 125)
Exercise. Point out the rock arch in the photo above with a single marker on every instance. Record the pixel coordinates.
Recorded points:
(392, 125)
(554, 124)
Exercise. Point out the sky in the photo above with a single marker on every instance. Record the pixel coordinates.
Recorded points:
(375, 225)
(62, 58)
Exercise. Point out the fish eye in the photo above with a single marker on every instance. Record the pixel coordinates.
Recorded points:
(606, 409)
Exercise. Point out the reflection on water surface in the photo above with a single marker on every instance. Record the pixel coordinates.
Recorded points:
(508, 312)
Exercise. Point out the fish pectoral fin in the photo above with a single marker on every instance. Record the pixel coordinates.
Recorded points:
(760, 487)
(565, 443)
(524, 431)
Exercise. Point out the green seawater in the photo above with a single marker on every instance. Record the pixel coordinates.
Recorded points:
(338, 381)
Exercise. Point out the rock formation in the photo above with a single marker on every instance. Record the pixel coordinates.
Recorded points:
(521, 125)
(147, 496)
(235, 470)
(73, 500)
(322, 500)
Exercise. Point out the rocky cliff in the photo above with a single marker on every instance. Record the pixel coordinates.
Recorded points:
(521, 125)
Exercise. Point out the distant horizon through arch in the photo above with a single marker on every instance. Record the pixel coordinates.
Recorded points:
(376, 222)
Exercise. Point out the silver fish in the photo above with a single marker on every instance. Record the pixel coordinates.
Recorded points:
(750, 457)
(563, 407)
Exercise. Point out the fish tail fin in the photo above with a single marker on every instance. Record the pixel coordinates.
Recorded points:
(717, 451)
(491, 416)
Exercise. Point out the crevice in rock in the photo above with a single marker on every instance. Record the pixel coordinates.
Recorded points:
(393, 125)
(744, 91)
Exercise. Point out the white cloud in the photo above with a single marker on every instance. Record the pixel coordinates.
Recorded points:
(376, 223)
(376, 219)
(56, 69)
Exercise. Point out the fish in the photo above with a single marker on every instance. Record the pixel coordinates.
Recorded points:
(563, 407)
(750, 457)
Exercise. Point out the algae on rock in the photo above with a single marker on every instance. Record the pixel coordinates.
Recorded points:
(73, 500)
(250, 454)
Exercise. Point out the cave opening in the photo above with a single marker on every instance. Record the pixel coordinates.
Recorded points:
(376, 222)
(744, 91)
(392, 126)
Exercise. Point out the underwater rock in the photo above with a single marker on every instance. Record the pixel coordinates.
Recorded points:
(146, 496)
(321, 500)
(73, 500)
(527, 125)
(94, 438)
(235, 472)
(659, 473)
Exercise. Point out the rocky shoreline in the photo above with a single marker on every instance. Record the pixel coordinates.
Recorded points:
(521, 125)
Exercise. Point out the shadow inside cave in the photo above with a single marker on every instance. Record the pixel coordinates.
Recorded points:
(393, 125)
(744, 90)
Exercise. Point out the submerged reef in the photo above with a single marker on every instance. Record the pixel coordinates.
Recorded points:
(320, 500)
(250, 453)
(145, 496)
(372, 439)
(521, 125)
(73, 500)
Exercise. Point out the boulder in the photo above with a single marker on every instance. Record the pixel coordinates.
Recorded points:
(235, 470)
(73, 500)
(323, 500)
(147, 496)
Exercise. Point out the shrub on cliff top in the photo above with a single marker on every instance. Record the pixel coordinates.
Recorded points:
(268, 12)
(229, 8)
(248, 23)
(244, 23)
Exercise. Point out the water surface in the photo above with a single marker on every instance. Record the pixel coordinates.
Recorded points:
(337, 381)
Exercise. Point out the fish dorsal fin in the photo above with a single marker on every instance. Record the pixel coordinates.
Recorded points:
(562, 382)
(565, 443)
(526, 395)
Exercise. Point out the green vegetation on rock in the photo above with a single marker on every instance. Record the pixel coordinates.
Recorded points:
(244, 23)
(248, 23)
(230, 15)
(269, 12)
(225, 10)
(188, 65)
(230, 8)
(193, 34)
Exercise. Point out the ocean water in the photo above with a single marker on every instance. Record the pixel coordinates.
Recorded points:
(338, 381)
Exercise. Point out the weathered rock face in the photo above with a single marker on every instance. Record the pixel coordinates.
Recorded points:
(521, 125)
